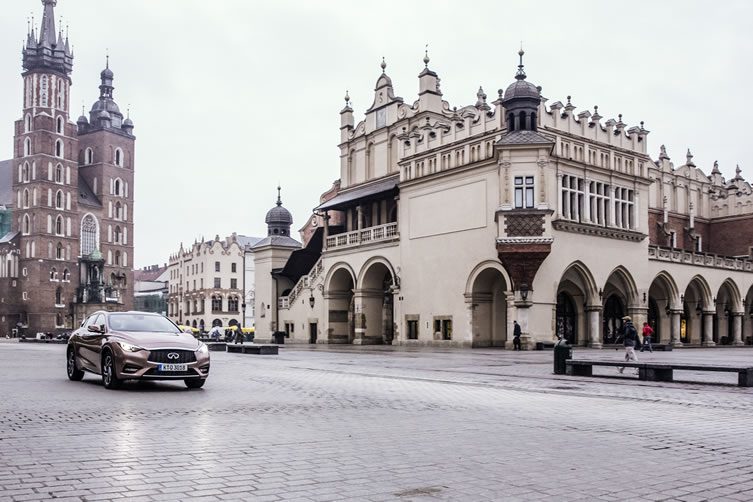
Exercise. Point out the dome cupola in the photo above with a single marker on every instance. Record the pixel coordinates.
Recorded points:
(278, 219)
(521, 101)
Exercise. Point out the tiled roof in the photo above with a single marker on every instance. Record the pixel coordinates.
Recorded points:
(524, 138)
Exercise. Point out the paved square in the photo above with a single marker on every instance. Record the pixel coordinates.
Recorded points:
(383, 423)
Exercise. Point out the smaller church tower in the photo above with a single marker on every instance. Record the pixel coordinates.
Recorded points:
(106, 153)
(270, 256)
(521, 102)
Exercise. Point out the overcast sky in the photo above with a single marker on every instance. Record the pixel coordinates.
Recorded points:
(230, 97)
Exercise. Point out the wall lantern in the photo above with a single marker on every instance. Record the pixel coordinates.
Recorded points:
(312, 300)
(524, 291)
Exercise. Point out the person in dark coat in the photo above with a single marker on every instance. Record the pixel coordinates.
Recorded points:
(516, 335)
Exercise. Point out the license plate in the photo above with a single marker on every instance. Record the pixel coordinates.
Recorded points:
(172, 367)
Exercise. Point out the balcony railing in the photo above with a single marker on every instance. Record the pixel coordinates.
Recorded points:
(381, 233)
(699, 259)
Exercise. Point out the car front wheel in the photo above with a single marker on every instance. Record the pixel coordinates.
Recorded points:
(194, 383)
(74, 373)
(109, 378)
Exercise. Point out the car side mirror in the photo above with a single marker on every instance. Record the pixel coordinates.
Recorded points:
(94, 328)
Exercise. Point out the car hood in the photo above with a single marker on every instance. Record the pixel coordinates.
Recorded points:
(151, 341)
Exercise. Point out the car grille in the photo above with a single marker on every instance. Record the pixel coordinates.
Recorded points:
(161, 356)
(155, 373)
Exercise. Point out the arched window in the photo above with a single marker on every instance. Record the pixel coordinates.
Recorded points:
(59, 125)
(89, 235)
(66, 275)
(59, 152)
(216, 303)
(59, 200)
(510, 122)
(59, 173)
(43, 91)
(59, 225)
(59, 296)
(59, 253)
(118, 211)
(119, 157)
(27, 123)
(27, 147)
(26, 227)
(89, 156)
(522, 118)
(26, 197)
(232, 304)
(25, 172)
(53, 274)
(118, 235)
(117, 257)
(117, 186)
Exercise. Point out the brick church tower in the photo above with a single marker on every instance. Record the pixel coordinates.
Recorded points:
(70, 247)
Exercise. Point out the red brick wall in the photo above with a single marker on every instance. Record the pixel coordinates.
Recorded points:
(732, 236)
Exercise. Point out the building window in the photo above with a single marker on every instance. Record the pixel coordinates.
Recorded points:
(117, 258)
(54, 274)
(89, 235)
(233, 283)
(217, 282)
(699, 245)
(216, 266)
(443, 328)
(66, 275)
(119, 157)
(624, 216)
(598, 200)
(572, 198)
(59, 296)
(26, 230)
(60, 125)
(116, 187)
(412, 325)
(118, 211)
(59, 152)
(59, 225)
(117, 235)
(59, 204)
(27, 123)
(25, 173)
(524, 192)
(233, 267)
(673, 239)
(232, 304)
(216, 303)
(59, 255)
(27, 148)
(43, 91)
(89, 156)
(59, 174)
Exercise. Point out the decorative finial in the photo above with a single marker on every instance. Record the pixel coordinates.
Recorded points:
(689, 157)
(347, 98)
(619, 116)
(521, 75)
(107, 56)
(641, 124)
(716, 170)
(128, 111)
(426, 56)
(568, 100)
(383, 65)
(279, 200)
(83, 109)
(737, 172)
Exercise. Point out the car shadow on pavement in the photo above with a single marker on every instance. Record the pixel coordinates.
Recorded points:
(144, 386)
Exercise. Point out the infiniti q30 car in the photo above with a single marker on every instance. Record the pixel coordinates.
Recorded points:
(136, 346)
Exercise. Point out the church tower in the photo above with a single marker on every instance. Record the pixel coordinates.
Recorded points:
(45, 180)
(106, 156)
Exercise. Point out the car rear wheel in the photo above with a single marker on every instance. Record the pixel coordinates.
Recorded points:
(74, 373)
(194, 383)
(109, 378)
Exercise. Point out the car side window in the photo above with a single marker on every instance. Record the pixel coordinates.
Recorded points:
(100, 320)
(89, 321)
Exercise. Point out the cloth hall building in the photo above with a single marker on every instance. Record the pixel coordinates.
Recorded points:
(449, 223)
(67, 194)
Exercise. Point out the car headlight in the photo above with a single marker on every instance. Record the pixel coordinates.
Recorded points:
(128, 347)
(203, 349)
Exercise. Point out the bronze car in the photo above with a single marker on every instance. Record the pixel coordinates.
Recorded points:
(136, 345)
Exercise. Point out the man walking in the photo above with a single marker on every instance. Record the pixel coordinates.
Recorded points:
(648, 332)
(516, 335)
(630, 337)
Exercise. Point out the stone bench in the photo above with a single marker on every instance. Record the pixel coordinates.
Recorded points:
(216, 346)
(252, 348)
(659, 372)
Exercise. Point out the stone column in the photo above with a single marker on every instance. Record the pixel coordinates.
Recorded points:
(675, 328)
(708, 328)
(359, 218)
(521, 315)
(559, 196)
(326, 227)
(737, 328)
(594, 326)
(586, 201)
(368, 317)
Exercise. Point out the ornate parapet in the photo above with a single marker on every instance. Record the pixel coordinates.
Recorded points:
(699, 259)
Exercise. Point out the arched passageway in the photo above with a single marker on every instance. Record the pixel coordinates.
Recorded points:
(728, 326)
(374, 312)
(339, 305)
(693, 322)
(577, 310)
(662, 298)
(619, 297)
(489, 309)
(748, 318)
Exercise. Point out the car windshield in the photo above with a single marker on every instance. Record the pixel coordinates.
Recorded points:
(142, 323)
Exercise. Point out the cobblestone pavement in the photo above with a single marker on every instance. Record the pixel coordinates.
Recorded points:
(373, 424)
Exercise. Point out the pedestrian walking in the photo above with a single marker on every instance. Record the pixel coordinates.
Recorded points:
(238, 334)
(648, 332)
(630, 339)
(516, 332)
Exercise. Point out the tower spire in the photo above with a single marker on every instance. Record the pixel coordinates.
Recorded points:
(47, 30)
(521, 75)
(279, 199)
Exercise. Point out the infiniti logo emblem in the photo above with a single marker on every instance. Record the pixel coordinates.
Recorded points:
(173, 355)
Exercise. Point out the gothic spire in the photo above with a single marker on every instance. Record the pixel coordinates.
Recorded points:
(51, 51)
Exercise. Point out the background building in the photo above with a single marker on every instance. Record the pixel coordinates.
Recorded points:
(456, 221)
(69, 247)
(211, 283)
(151, 289)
